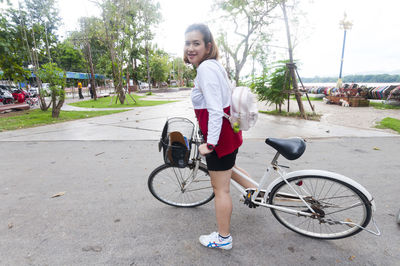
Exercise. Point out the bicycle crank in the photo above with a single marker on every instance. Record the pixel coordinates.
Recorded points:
(248, 197)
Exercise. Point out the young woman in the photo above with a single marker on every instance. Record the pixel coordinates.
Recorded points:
(211, 97)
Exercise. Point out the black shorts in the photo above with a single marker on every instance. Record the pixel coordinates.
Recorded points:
(221, 164)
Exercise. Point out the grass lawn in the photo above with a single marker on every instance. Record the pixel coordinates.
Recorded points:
(311, 98)
(304, 98)
(105, 102)
(310, 116)
(391, 123)
(36, 117)
(383, 106)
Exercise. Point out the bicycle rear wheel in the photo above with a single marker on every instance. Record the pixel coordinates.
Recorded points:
(339, 205)
(179, 187)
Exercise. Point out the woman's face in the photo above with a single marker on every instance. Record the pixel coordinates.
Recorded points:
(195, 48)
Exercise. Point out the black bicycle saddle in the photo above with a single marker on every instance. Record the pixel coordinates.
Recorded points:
(291, 149)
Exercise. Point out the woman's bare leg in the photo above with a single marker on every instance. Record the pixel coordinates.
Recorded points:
(243, 182)
(220, 181)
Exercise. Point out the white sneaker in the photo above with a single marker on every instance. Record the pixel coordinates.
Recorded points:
(214, 241)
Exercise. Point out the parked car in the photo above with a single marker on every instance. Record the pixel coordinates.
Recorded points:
(143, 85)
(5, 96)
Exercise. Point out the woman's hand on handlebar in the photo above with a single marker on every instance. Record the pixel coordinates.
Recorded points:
(203, 149)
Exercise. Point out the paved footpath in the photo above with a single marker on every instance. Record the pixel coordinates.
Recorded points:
(107, 216)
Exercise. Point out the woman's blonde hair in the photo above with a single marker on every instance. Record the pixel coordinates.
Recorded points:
(207, 38)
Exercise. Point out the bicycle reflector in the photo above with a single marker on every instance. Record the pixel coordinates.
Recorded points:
(299, 183)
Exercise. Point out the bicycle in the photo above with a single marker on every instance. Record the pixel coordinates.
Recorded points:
(313, 203)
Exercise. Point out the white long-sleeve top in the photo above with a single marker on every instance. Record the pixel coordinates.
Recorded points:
(211, 92)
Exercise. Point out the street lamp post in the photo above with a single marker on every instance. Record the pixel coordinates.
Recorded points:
(345, 25)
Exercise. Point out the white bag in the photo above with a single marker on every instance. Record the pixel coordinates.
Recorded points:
(244, 110)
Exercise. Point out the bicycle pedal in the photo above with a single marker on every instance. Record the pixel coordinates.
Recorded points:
(247, 200)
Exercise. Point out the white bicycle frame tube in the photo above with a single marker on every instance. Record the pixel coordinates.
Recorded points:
(258, 188)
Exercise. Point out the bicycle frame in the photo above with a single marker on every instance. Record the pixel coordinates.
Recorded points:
(284, 176)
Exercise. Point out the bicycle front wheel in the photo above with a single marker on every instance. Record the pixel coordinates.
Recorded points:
(341, 208)
(181, 187)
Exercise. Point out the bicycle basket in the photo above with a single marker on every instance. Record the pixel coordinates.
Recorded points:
(176, 141)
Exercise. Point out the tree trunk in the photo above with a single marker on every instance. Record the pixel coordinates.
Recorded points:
(56, 108)
(148, 67)
(292, 66)
(43, 105)
(47, 43)
(237, 72)
(115, 67)
(92, 77)
(55, 112)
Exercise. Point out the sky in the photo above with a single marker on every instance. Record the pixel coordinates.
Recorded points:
(371, 44)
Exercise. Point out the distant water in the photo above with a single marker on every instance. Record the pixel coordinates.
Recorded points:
(332, 84)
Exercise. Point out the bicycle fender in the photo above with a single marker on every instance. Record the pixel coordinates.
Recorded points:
(332, 175)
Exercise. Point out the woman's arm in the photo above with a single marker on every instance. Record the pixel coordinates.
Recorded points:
(210, 86)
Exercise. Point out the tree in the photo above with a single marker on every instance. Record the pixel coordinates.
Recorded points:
(159, 68)
(177, 69)
(56, 78)
(273, 88)
(189, 73)
(250, 19)
(124, 20)
(36, 22)
(45, 14)
(91, 30)
(68, 57)
(92, 33)
(11, 51)
(151, 16)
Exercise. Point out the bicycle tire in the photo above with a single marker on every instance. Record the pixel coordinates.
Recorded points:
(165, 184)
(327, 197)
